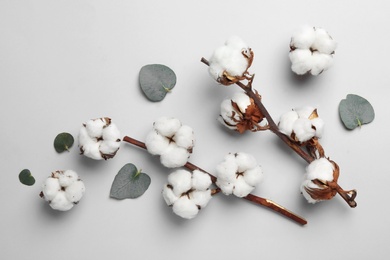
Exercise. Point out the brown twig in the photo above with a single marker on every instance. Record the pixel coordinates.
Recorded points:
(255, 199)
(348, 196)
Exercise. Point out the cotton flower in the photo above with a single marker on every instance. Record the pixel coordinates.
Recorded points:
(311, 51)
(320, 174)
(240, 113)
(63, 189)
(187, 193)
(301, 124)
(230, 62)
(171, 140)
(99, 139)
(238, 174)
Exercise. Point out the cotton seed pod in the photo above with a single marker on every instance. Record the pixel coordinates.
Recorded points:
(311, 51)
(63, 189)
(99, 139)
(171, 140)
(301, 124)
(187, 192)
(238, 174)
(240, 114)
(230, 62)
(319, 181)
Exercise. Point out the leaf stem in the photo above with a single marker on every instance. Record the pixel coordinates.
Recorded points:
(255, 199)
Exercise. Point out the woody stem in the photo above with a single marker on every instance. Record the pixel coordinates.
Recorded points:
(255, 199)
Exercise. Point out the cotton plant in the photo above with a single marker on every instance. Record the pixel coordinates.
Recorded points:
(301, 128)
(187, 192)
(62, 190)
(99, 139)
(238, 174)
(311, 50)
(171, 140)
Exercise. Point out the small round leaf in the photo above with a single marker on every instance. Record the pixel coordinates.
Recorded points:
(355, 111)
(156, 81)
(63, 142)
(129, 183)
(26, 178)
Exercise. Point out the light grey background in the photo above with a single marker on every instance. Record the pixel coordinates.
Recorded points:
(64, 62)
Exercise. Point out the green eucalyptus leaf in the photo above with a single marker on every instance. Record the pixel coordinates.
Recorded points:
(355, 111)
(156, 81)
(129, 183)
(63, 142)
(26, 178)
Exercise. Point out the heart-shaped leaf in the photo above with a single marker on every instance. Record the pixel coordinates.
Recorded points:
(129, 183)
(26, 178)
(355, 111)
(156, 81)
(63, 142)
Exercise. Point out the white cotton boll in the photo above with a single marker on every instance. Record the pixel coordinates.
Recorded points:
(111, 133)
(304, 112)
(321, 169)
(167, 126)
(92, 151)
(241, 188)
(181, 182)
(60, 202)
(253, 176)
(200, 181)
(168, 195)
(245, 161)
(67, 178)
(109, 147)
(184, 137)
(226, 187)
(84, 138)
(301, 61)
(320, 63)
(200, 198)
(94, 127)
(185, 208)
(155, 143)
(319, 124)
(50, 188)
(303, 38)
(75, 191)
(323, 42)
(309, 185)
(174, 156)
(303, 130)
(286, 122)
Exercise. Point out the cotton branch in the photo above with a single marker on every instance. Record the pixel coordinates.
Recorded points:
(255, 199)
(348, 196)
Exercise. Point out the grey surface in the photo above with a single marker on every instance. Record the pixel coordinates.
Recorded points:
(64, 62)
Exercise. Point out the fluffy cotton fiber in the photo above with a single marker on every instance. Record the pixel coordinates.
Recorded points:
(311, 51)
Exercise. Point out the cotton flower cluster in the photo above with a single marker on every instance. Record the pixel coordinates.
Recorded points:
(99, 139)
(318, 174)
(240, 113)
(311, 51)
(230, 62)
(187, 193)
(63, 189)
(301, 124)
(238, 174)
(171, 140)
